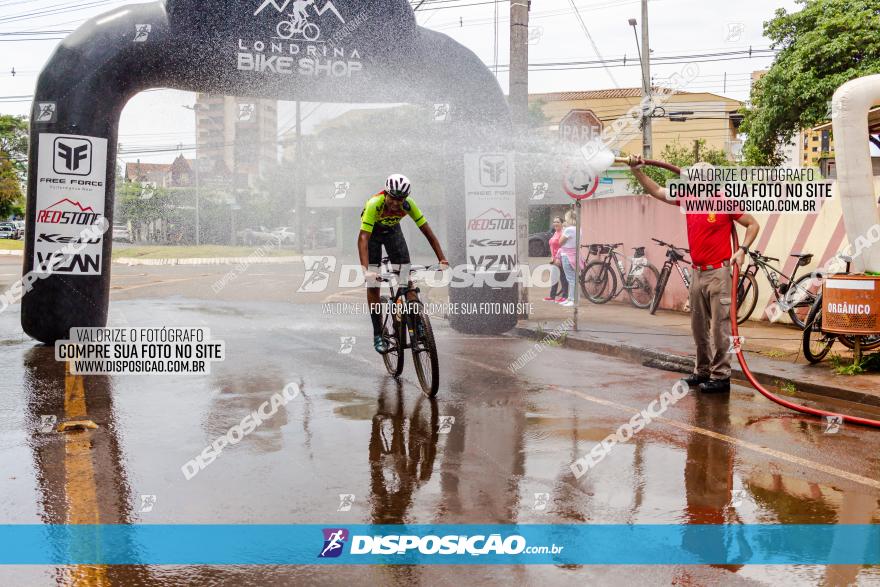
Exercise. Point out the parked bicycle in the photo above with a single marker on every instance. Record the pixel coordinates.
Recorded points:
(795, 296)
(603, 280)
(675, 257)
(816, 344)
(405, 318)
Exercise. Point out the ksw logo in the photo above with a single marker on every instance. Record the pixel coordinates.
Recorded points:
(73, 156)
(493, 171)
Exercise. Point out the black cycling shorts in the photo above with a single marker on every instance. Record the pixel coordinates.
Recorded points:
(394, 243)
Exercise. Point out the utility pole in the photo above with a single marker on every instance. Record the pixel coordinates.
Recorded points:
(519, 107)
(647, 141)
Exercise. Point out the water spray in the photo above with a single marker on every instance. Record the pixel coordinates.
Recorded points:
(735, 332)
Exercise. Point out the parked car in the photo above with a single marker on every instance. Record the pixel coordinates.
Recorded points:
(539, 244)
(256, 236)
(121, 233)
(286, 235)
(7, 231)
(17, 233)
(19, 224)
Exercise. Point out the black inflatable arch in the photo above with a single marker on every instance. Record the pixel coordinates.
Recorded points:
(356, 51)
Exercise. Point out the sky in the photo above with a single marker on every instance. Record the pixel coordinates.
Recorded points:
(677, 28)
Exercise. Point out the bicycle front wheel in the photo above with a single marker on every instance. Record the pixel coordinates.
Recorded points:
(643, 287)
(424, 350)
(285, 29)
(815, 343)
(746, 297)
(599, 282)
(661, 287)
(395, 338)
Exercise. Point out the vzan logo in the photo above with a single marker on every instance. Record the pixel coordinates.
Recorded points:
(73, 156)
(296, 48)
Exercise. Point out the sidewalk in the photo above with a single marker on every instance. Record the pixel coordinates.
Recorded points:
(663, 341)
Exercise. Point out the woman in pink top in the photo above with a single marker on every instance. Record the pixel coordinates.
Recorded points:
(560, 284)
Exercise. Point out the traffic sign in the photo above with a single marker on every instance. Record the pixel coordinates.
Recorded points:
(580, 127)
(577, 128)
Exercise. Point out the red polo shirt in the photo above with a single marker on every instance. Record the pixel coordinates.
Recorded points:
(709, 237)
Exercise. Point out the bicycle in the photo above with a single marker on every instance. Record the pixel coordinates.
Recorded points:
(286, 29)
(816, 344)
(599, 279)
(795, 296)
(405, 317)
(674, 258)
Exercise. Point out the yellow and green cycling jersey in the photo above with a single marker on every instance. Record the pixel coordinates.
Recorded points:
(375, 213)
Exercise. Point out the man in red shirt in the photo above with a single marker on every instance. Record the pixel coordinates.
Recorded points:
(711, 254)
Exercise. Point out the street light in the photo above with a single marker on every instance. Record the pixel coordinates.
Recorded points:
(195, 108)
(646, 84)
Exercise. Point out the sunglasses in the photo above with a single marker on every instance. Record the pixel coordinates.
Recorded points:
(397, 195)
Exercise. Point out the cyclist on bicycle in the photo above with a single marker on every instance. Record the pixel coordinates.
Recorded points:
(380, 226)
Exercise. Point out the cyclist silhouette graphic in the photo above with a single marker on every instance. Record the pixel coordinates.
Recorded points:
(299, 22)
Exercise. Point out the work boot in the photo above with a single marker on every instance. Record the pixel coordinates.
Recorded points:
(696, 379)
(380, 344)
(716, 386)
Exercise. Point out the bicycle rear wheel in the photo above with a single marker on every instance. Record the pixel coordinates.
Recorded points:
(424, 351)
(746, 297)
(599, 282)
(800, 297)
(661, 287)
(644, 287)
(395, 337)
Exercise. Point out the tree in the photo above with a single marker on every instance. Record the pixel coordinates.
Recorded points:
(826, 43)
(13, 163)
(682, 156)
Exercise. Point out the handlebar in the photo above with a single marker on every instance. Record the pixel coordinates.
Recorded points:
(670, 245)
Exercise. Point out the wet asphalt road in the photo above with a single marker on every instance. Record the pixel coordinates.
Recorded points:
(355, 431)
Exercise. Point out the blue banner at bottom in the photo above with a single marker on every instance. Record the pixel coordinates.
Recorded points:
(583, 544)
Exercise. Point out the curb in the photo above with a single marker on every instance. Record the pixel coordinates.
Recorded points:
(130, 261)
(11, 253)
(684, 364)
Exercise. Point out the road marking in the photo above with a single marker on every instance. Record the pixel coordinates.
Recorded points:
(79, 477)
(854, 477)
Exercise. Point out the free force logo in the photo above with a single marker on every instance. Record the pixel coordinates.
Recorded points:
(493, 171)
(73, 156)
(334, 542)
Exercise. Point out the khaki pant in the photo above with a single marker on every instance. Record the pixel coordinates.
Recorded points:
(710, 321)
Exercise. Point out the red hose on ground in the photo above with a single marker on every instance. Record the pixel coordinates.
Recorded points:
(742, 359)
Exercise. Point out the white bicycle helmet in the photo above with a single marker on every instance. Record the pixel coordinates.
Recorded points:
(397, 186)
